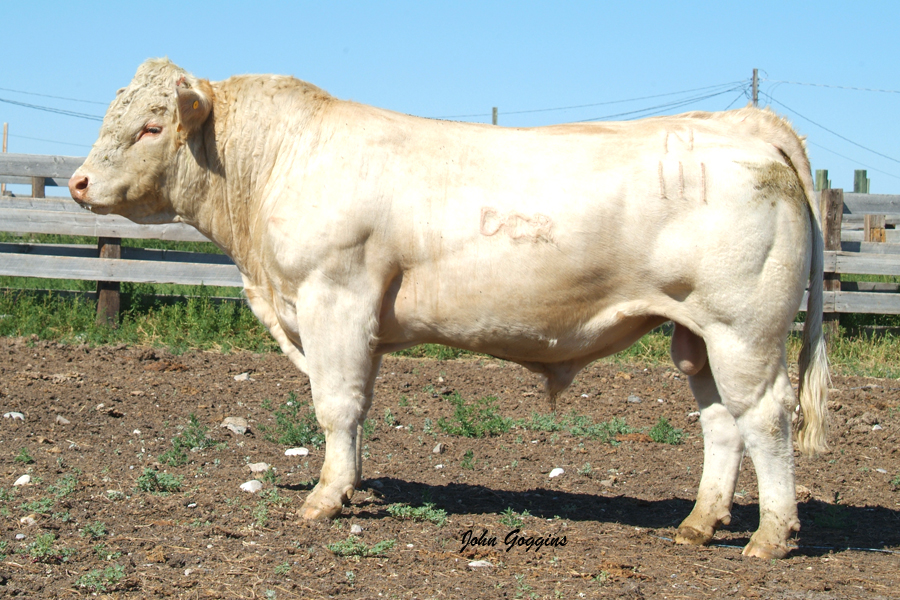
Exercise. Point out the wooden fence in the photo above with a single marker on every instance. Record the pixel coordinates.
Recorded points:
(107, 262)
(860, 234)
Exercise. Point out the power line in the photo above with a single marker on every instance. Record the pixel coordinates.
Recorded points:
(837, 87)
(535, 110)
(652, 110)
(846, 139)
(54, 97)
(853, 160)
(25, 137)
(58, 111)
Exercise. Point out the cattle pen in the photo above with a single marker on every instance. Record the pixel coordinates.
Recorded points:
(859, 228)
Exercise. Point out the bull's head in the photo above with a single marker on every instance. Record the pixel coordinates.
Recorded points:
(132, 163)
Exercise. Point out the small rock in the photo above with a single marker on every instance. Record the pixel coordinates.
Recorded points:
(244, 377)
(260, 467)
(608, 482)
(296, 452)
(20, 536)
(634, 399)
(237, 425)
(15, 416)
(693, 417)
(438, 466)
(137, 393)
(114, 412)
(803, 493)
(23, 480)
(480, 564)
(556, 472)
(877, 427)
(883, 471)
(355, 529)
(61, 420)
(438, 449)
(252, 486)
(28, 521)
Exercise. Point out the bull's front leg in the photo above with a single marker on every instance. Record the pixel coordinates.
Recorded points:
(337, 328)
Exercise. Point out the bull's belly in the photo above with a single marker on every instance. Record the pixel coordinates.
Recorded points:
(555, 337)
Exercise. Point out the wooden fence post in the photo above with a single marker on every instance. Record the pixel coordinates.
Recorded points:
(108, 300)
(832, 208)
(38, 187)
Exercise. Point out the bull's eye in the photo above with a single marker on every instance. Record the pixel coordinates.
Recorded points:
(150, 130)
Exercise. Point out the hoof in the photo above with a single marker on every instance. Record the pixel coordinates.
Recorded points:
(688, 535)
(761, 550)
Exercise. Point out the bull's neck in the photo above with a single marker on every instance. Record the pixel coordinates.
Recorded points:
(226, 170)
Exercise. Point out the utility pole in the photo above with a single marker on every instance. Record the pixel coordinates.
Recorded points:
(494, 116)
(5, 134)
(755, 87)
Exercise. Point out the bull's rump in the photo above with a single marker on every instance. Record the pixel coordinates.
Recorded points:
(555, 242)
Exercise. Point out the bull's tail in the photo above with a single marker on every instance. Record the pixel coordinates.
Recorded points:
(814, 378)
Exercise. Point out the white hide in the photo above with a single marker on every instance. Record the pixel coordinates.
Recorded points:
(360, 231)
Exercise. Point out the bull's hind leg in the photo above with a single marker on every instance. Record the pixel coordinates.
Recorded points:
(722, 453)
(753, 383)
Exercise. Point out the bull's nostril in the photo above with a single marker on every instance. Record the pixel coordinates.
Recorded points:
(78, 186)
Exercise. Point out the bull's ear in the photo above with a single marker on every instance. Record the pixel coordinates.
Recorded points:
(194, 104)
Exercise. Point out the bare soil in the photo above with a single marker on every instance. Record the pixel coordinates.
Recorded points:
(616, 505)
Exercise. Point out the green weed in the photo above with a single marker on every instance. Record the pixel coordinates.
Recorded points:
(295, 425)
(23, 456)
(426, 512)
(99, 581)
(663, 433)
(191, 439)
(159, 483)
(353, 546)
(512, 519)
(43, 550)
(475, 420)
(94, 531)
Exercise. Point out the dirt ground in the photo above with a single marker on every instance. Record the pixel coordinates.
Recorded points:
(93, 530)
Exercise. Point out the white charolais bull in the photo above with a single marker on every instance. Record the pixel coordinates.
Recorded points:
(361, 231)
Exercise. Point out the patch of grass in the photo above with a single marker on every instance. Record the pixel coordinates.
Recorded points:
(154, 482)
(663, 433)
(295, 425)
(197, 321)
(353, 546)
(577, 426)
(476, 420)
(895, 482)
(24, 457)
(104, 553)
(468, 460)
(435, 351)
(43, 550)
(41, 507)
(283, 569)
(98, 581)
(191, 439)
(64, 486)
(95, 530)
(426, 512)
(512, 519)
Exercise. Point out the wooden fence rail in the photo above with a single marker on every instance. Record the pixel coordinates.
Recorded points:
(107, 263)
(860, 233)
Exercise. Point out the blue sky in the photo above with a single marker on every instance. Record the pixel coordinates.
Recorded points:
(447, 59)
